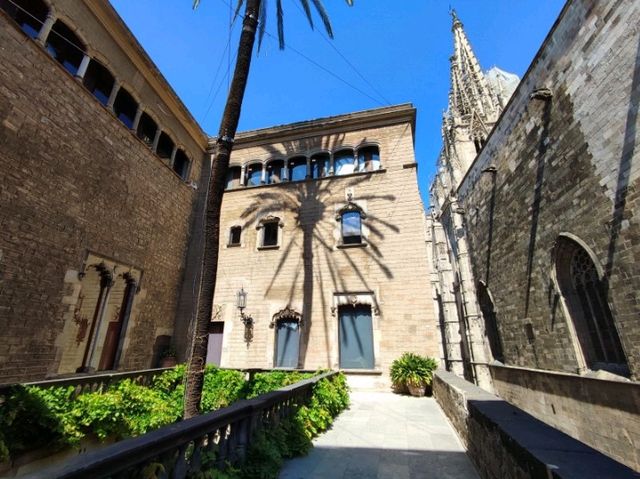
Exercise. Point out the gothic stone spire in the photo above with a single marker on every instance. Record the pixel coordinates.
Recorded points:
(470, 93)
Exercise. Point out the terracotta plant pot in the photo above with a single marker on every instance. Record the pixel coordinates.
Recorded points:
(416, 390)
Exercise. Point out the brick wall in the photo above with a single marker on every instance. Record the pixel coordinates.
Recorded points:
(74, 180)
(309, 268)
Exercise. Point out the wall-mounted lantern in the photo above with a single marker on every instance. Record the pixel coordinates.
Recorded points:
(241, 303)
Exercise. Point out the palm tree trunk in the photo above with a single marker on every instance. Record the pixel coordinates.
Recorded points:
(226, 134)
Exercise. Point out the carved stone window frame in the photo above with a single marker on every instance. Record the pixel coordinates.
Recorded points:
(269, 219)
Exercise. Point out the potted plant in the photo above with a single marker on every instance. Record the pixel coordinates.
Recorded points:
(168, 357)
(412, 372)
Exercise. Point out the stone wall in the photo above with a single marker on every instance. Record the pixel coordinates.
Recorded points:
(565, 400)
(310, 271)
(75, 181)
(569, 165)
(505, 442)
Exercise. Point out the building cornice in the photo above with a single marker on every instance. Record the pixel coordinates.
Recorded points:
(379, 117)
(127, 42)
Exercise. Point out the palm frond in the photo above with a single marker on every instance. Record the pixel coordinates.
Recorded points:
(262, 19)
(196, 3)
(280, 14)
(350, 3)
(324, 16)
(307, 11)
(238, 7)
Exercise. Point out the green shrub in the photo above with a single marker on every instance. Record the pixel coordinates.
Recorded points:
(272, 380)
(33, 417)
(412, 369)
(221, 388)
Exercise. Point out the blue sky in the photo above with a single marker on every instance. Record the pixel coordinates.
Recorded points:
(403, 53)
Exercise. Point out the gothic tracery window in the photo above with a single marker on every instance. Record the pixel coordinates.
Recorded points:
(585, 297)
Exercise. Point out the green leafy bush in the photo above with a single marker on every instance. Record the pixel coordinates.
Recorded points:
(412, 369)
(272, 380)
(33, 417)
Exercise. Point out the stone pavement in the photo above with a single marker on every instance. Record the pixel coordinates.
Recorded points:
(384, 435)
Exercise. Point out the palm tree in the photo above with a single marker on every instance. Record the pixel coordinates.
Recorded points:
(254, 21)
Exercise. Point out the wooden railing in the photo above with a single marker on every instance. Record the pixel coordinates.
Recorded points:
(174, 451)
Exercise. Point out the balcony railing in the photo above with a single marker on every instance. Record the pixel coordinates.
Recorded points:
(179, 449)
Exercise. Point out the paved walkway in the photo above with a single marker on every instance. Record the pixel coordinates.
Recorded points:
(384, 435)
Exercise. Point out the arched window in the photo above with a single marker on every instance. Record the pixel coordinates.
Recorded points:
(233, 177)
(147, 129)
(584, 294)
(297, 168)
(125, 108)
(181, 164)
(99, 81)
(320, 165)
(65, 46)
(165, 146)
(254, 174)
(287, 324)
(368, 158)
(490, 322)
(351, 217)
(235, 234)
(29, 14)
(344, 162)
(275, 171)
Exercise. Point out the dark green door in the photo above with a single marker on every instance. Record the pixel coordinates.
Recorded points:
(356, 337)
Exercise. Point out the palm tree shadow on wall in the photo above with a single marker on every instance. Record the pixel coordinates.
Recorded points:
(310, 203)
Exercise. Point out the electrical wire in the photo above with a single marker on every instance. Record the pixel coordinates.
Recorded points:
(353, 67)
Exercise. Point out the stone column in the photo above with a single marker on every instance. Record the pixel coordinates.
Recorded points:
(43, 34)
(82, 69)
(331, 165)
(136, 120)
(113, 94)
(156, 140)
(309, 172)
(243, 172)
(173, 155)
(285, 172)
(263, 177)
(471, 310)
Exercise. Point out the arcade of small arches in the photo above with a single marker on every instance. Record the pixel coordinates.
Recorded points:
(38, 21)
(300, 167)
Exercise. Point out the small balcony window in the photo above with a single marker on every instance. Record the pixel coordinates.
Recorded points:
(233, 178)
(65, 46)
(368, 159)
(181, 164)
(344, 162)
(320, 165)
(147, 129)
(298, 168)
(254, 174)
(29, 14)
(99, 81)
(125, 108)
(165, 146)
(275, 172)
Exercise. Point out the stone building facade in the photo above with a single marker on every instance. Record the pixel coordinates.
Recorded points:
(99, 159)
(536, 243)
(326, 236)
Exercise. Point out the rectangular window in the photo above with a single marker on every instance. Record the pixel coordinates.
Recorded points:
(270, 234)
(287, 344)
(234, 236)
(351, 228)
(356, 337)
